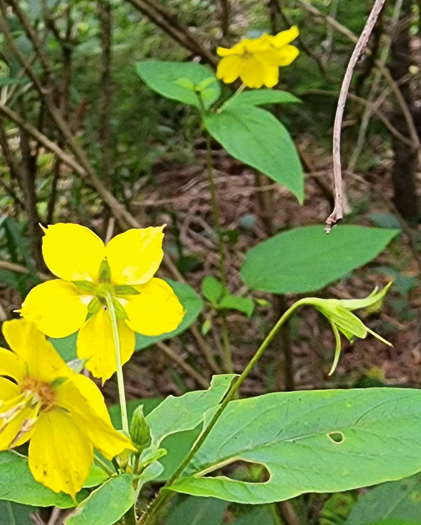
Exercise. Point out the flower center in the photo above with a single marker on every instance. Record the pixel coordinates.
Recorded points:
(40, 392)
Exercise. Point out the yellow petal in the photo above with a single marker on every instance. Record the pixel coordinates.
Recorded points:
(135, 255)
(60, 452)
(95, 342)
(55, 307)
(156, 310)
(42, 360)
(271, 76)
(230, 68)
(238, 49)
(12, 365)
(253, 73)
(73, 252)
(285, 37)
(17, 431)
(84, 401)
(286, 56)
(8, 389)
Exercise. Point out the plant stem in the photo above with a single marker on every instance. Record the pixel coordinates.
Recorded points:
(157, 504)
(104, 466)
(221, 248)
(120, 377)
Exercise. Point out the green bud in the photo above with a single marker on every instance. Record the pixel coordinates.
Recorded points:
(186, 83)
(206, 83)
(94, 306)
(85, 287)
(139, 430)
(104, 272)
(125, 289)
(206, 326)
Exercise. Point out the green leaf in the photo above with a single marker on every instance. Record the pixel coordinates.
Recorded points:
(18, 485)
(257, 516)
(164, 78)
(65, 346)
(106, 505)
(19, 513)
(212, 289)
(398, 500)
(321, 441)
(254, 136)
(306, 259)
(197, 511)
(192, 304)
(96, 477)
(259, 97)
(241, 304)
(177, 414)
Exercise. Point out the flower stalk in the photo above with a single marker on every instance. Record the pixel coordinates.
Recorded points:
(120, 376)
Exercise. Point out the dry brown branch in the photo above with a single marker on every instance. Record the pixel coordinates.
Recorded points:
(337, 213)
(174, 27)
(200, 380)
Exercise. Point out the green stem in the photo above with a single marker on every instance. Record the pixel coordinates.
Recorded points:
(120, 377)
(104, 466)
(157, 504)
(221, 247)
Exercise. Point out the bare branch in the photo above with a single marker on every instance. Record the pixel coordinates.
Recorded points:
(338, 213)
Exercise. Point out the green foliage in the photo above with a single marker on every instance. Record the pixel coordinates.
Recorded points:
(255, 137)
(177, 414)
(261, 97)
(310, 442)
(106, 505)
(197, 511)
(181, 81)
(398, 500)
(18, 485)
(222, 299)
(256, 516)
(15, 514)
(306, 259)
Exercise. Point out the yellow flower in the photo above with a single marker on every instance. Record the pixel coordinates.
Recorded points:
(257, 61)
(62, 413)
(91, 273)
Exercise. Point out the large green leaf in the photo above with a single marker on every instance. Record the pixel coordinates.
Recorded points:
(306, 259)
(178, 414)
(258, 139)
(15, 514)
(17, 484)
(321, 441)
(172, 79)
(398, 500)
(259, 97)
(197, 511)
(106, 505)
(192, 304)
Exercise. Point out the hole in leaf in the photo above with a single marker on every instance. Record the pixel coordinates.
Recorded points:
(243, 471)
(336, 437)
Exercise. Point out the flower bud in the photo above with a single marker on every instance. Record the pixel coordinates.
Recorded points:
(139, 430)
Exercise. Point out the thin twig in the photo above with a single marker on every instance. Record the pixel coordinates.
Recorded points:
(201, 380)
(337, 213)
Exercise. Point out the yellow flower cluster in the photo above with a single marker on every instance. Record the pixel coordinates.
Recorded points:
(256, 61)
(42, 400)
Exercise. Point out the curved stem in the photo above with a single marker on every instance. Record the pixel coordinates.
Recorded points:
(163, 496)
(104, 466)
(120, 377)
